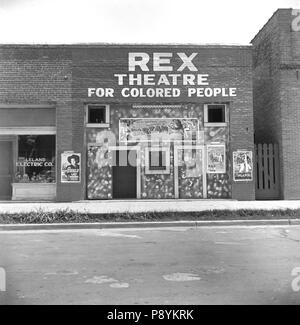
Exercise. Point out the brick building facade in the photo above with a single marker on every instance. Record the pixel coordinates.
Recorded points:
(105, 122)
(276, 94)
(186, 113)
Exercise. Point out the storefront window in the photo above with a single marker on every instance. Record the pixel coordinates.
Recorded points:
(36, 159)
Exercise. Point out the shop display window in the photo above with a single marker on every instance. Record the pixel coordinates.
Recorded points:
(36, 159)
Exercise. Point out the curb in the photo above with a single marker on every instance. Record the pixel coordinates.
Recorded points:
(154, 224)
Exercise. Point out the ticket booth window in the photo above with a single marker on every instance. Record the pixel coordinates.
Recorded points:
(36, 159)
(97, 115)
(215, 115)
(157, 160)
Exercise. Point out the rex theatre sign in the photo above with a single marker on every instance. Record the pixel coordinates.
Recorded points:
(162, 74)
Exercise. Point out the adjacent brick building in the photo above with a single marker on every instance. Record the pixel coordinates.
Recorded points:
(276, 94)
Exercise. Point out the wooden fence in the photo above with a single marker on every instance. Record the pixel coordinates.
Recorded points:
(267, 172)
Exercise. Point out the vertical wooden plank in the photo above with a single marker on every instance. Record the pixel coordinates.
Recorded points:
(256, 167)
(265, 157)
(276, 160)
(260, 167)
(271, 164)
(267, 171)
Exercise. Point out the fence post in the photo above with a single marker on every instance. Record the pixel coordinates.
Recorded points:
(260, 169)
(271, 164)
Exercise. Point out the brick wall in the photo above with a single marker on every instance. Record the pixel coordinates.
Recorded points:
(227, 67)
(60, 75)
(276, 92)
(37, 75)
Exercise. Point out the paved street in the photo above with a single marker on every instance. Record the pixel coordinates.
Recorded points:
(208, 265)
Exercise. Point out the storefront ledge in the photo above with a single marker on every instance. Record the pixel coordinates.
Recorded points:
(116, 225)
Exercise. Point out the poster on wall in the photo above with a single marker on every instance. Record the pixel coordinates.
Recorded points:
(70, 167)
(190, 161)
(242, 166)
(216, 159)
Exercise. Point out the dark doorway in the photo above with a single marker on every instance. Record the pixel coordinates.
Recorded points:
(124, 175)
(6, 162)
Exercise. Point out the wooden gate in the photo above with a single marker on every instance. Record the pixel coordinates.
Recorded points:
(267, 172)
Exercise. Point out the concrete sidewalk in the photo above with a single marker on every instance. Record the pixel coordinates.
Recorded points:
(147, 225)
(122, 206)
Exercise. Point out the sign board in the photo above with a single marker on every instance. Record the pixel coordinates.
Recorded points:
(161, 75)
(34, 162)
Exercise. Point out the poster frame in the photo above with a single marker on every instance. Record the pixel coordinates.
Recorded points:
(70, 153)
(233, 166)
(223, 171)
(159, 119)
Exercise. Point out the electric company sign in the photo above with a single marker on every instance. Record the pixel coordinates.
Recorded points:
(160, 78)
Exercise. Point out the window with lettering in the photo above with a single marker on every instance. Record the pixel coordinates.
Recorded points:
(36, 159)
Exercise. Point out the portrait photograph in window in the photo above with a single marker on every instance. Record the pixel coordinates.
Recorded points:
(36, 159)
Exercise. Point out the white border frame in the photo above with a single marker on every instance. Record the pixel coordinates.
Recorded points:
(176, 173)
(207, 124)
(157, 106)
(80, 170)
(42, 131)
(252, 172)
(97, 125)
(168, 160)
(216, 145)
(40, 106)
(28, 130)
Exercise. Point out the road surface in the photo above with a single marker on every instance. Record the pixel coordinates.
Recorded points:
(208, 265)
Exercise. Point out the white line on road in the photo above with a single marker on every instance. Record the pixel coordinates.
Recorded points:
(101, 279)
(181, 277)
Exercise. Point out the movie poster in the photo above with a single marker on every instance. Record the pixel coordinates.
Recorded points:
(242, 166)
(216, 159)
(70, 167)
(190, 162)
